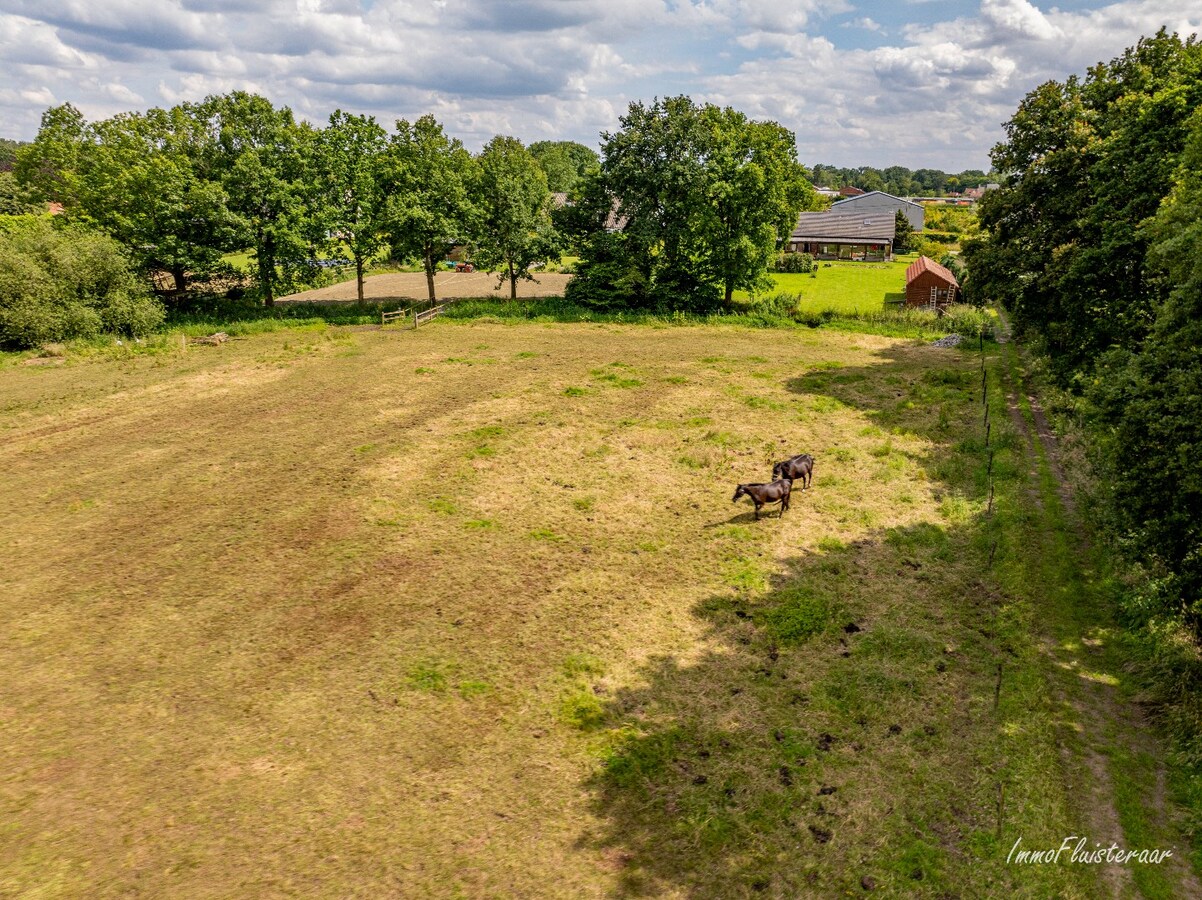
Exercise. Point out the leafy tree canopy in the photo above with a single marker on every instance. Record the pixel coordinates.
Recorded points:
(429, 207)
(703, 196)
(352, 193)
(1087, 162)
(564, 162)
(514, 230)
(62, 283)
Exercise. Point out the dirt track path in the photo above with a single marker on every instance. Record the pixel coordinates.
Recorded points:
(1102, 730)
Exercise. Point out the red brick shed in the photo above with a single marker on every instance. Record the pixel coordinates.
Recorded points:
(930, 284)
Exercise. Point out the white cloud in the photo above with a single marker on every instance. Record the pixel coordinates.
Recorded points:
(1018, 17)
(865, 22)
(567, 68)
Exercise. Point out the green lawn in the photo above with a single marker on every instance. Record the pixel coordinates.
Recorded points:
(243, 261)
(845, 286)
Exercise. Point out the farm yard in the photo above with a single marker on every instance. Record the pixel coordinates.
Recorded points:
(469, 612)
(449, 285)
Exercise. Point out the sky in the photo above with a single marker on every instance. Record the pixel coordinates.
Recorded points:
(917, 83)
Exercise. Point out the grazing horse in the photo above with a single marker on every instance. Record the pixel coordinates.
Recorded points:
(799, 468)
(776, 492)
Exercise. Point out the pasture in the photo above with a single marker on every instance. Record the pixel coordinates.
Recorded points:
(468, 612)
(846, 286)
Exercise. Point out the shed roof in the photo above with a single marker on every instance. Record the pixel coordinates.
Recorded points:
(860, 197)
(845, 227)
(926, 264)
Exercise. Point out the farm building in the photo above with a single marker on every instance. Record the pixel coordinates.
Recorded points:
(831, 235)
(930, 284)
(876, 202)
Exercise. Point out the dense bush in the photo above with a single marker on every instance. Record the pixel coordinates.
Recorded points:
(58, 285)
(795, 263)
(1149, 407)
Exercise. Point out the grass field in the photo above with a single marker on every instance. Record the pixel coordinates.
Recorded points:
(468, 612)
(846, 286)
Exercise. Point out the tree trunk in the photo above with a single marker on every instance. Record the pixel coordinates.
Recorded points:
(181, 279)
(730, 292)
(513, 282)
(267, 278)
(430, 273)
(265, 255)
(359, 276)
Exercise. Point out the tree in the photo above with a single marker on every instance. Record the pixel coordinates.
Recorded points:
(1149, 405)
(263, 160)
(610, 274)
(8, 154)
(655, 165)
(871, 180)
(755, 189)
(48, 167)
(1087, 162)
(15, 198)
(135, 176)
(350, 152)
(903, 234)
(142, 184)
(565, 162)
(514, 228)
(429, 207)
(704, 196)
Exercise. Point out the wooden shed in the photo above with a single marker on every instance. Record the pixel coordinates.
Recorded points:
(930, 284)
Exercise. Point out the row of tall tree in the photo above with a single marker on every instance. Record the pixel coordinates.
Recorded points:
(687, 203)
(900, 181)
(183, 187)
(1094, 243)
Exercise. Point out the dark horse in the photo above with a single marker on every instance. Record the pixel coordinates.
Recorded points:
(799, 468)
(776, 492)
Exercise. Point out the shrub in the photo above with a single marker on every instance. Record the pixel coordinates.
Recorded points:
(968, 320)
(56, 285)
(924, 247)
(795, 262)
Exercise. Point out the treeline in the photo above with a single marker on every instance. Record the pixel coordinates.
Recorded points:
(900, 181)
(1094, 243)
(183, 187)
(686, 204)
